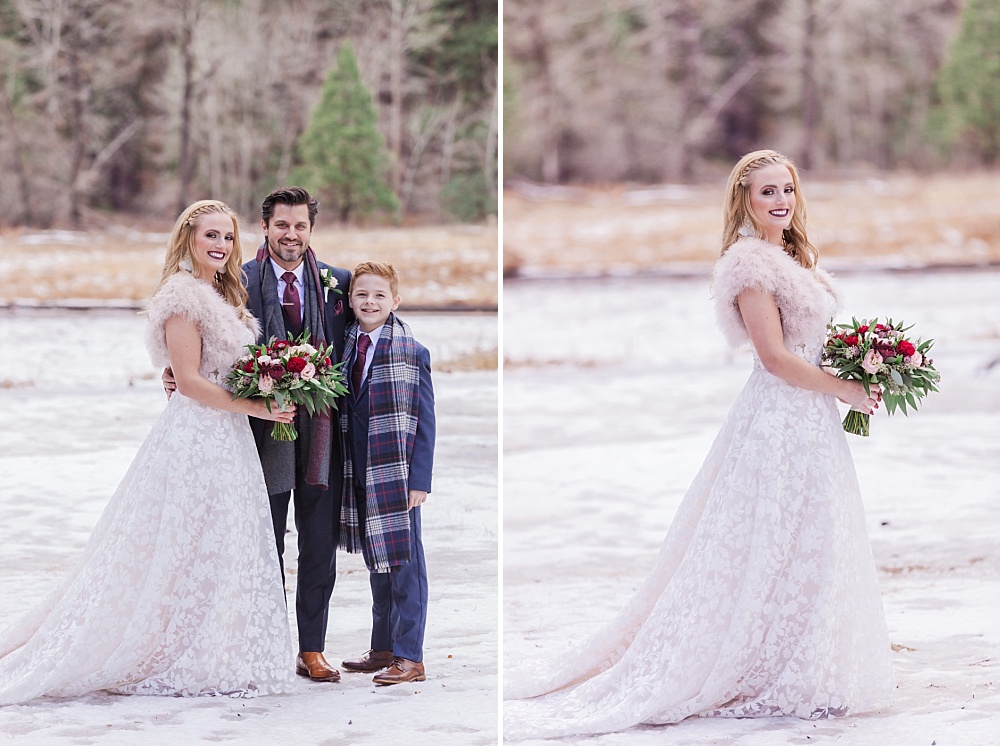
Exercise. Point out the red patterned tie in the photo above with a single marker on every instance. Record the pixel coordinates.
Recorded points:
(290, 300)
(358, 371)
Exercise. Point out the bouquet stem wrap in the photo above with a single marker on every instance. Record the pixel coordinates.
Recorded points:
(856, 423)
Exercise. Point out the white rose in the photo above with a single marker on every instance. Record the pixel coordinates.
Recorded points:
(308, 372)
(264, 360)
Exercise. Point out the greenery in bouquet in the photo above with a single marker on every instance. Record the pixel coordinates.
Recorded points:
(882, 354)
(288, 371)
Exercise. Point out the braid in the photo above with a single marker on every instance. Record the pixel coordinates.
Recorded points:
(210, 206)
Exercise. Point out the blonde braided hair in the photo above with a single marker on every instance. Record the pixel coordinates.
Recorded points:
(738, 213)
(228, 281)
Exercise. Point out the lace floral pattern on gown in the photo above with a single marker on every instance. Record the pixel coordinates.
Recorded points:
(179, 589)
(764, 598)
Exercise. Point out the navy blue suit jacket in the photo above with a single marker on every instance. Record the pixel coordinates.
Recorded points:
(422, 458)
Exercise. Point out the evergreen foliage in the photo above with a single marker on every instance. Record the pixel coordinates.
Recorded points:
(967, 115)
(464, 62)
(467, 48)
(344, 160)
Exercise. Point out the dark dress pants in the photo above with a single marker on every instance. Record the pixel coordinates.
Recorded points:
(317, 520)
(399, 598)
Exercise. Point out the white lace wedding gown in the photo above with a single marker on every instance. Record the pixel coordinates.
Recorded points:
(178, 591)
(764, 598)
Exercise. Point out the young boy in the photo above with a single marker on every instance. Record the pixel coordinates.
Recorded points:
(388, 428)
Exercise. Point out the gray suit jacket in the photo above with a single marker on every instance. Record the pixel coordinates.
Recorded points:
(338, 316)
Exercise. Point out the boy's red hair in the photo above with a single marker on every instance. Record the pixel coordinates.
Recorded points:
(380, 269)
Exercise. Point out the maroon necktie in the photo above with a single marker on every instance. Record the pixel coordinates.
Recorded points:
(292, 304)
(358, 371)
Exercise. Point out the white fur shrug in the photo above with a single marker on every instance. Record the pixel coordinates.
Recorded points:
(806, 298)
(224, 335)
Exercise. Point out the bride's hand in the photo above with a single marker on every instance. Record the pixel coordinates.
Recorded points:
(275, 415)
(862, 401)
(169, 384)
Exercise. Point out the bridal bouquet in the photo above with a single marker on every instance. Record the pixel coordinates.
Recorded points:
(871, 352)
(288, 371)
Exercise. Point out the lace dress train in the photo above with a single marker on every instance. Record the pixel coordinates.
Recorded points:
(763, 600)
(178, 591)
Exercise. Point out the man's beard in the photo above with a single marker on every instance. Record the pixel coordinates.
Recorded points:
(286, 253)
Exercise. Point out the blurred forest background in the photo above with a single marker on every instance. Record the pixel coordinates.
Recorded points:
(141, 106)
(622, 119)
(659, 90)
(116, 115)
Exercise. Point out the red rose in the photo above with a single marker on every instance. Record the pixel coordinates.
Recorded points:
(862, 329)
(905, 348)
(296, 364)
(327, 361)
(279, 345)
(248, 366)
(851, 340)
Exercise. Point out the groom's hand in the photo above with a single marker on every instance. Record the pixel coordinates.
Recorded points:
(169, 384)
(417, 497)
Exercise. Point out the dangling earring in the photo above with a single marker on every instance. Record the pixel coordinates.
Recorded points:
(747, 231)
(186, 265)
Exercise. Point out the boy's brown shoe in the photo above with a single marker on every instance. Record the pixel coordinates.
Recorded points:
(373, 660)
(401, 671)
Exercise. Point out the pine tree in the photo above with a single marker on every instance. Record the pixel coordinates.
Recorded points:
(968, 87)
(343, 157)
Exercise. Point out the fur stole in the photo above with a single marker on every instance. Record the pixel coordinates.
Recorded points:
(806, 298)
(224, 335)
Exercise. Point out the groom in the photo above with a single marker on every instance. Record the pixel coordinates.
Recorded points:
(290, 292)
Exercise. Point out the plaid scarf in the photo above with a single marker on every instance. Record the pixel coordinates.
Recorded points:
(315, 432)
(394, 376)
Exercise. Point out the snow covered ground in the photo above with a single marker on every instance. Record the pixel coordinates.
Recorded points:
(613, 391)
(77, 396)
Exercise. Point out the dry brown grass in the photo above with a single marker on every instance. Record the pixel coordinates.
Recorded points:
(910, 219)
(438, 265)
(471, 361)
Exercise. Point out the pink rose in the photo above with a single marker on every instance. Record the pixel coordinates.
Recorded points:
(265, 384)
(308, 372)
(916, 359)
(872, 361)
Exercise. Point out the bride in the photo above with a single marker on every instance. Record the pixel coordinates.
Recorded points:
(178, 591)
(764, 599)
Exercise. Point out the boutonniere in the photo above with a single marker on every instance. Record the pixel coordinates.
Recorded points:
(329, 283)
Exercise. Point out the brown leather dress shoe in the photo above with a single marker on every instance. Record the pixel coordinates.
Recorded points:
(314, 666)
(400, 672)
(373, 660)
